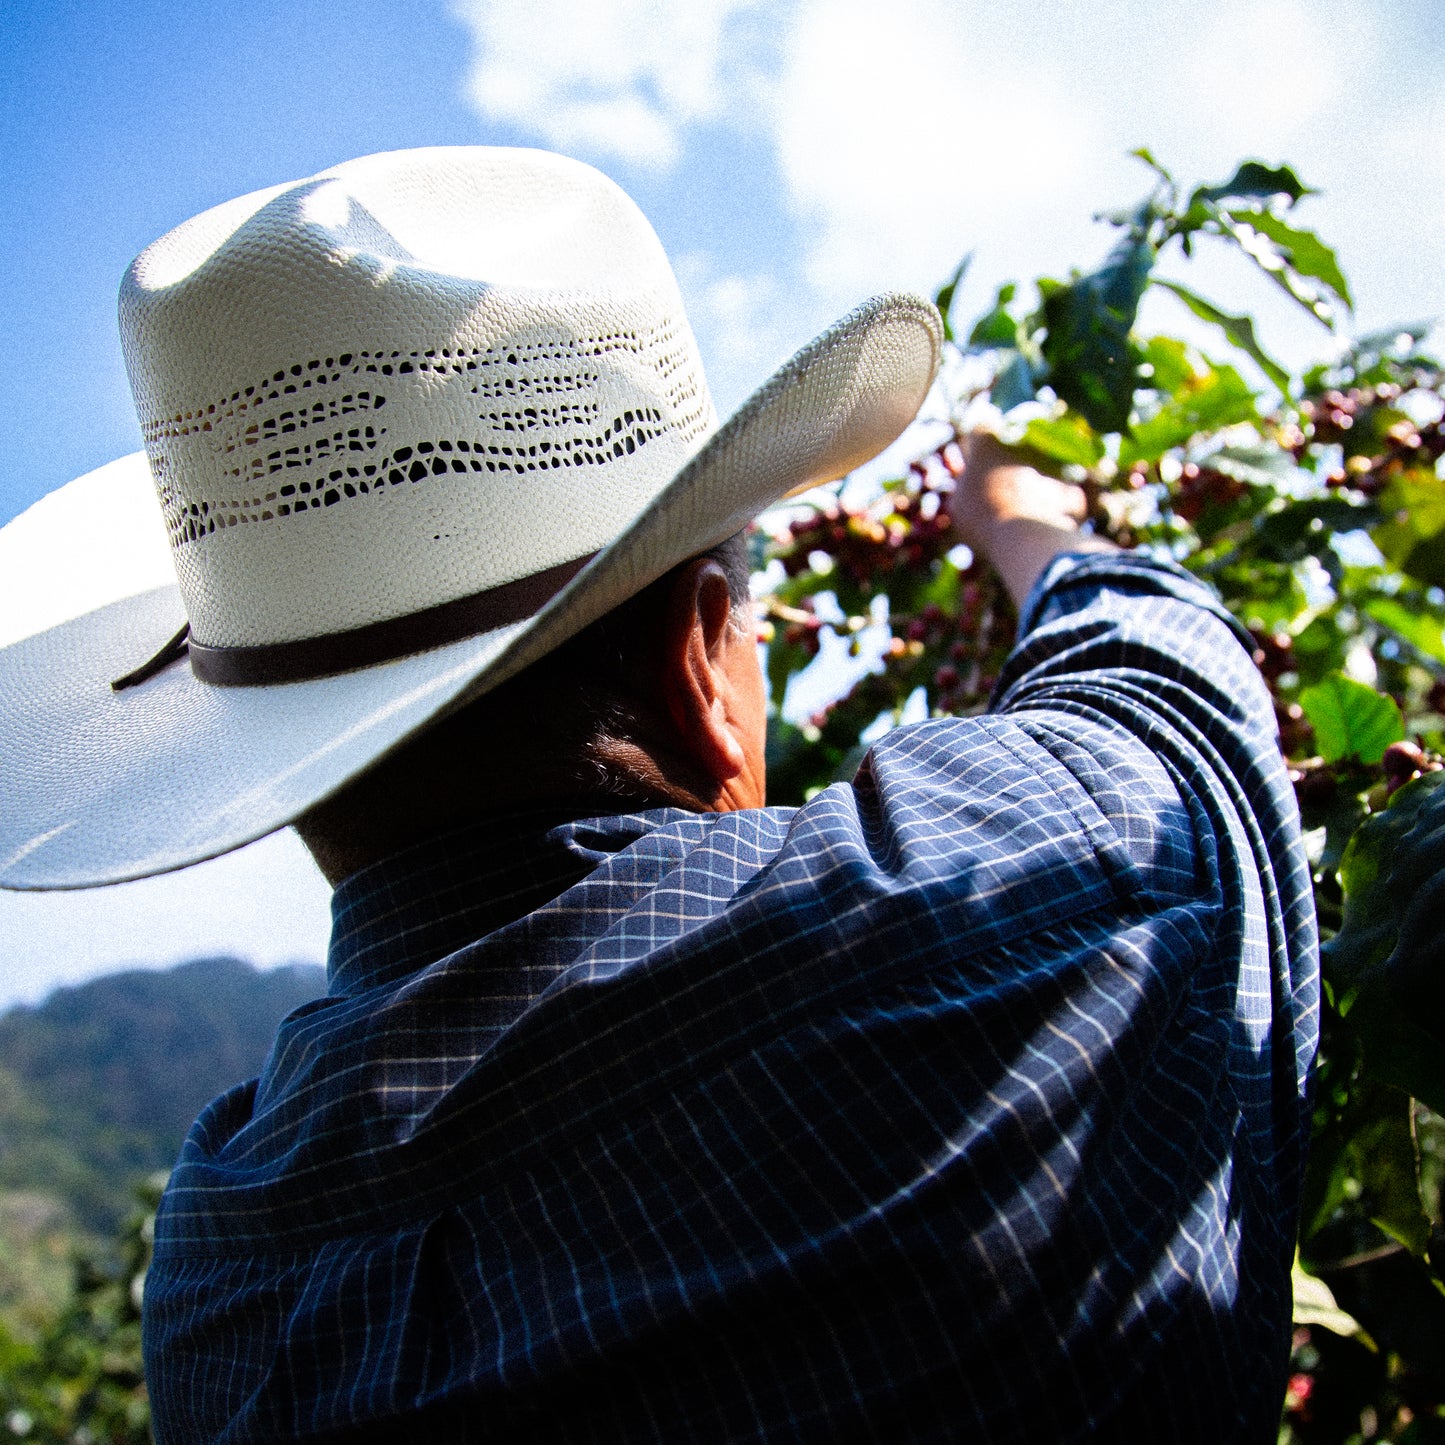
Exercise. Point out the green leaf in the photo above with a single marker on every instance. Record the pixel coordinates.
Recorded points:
(1386, 965)
(1261, 464)
(944, 298)
(996, 327)
(1068, 438)
(944, 588)
(1320, 647)
(1143, 153)
(1413, 537)
(1315, 1305)
(1380, 1157)
(1298, 527)
(1247, 230)
(1350, 719)
(1209, 401)
(1377, 343)
(796, 764)
(784, 659)
(1255, 181)
(1382, 356)
(1303, 250)
(1239, 330)
(1014, 383)
(1092, 362)
(1168, 363)
(1424, 633)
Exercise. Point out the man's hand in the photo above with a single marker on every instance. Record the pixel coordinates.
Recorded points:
(1016, 516)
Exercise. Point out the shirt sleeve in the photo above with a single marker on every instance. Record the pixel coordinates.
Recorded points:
(1145, 1079)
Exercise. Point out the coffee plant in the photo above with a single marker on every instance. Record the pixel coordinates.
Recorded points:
(1315, 505)
(78, 1380)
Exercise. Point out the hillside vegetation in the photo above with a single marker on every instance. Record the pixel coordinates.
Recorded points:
(99, 1083)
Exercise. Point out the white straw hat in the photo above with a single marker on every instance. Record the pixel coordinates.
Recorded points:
(411, 423)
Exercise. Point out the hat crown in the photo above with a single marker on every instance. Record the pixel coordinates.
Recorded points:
(413, 378)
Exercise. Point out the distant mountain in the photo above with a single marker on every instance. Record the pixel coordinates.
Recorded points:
(99, 1083)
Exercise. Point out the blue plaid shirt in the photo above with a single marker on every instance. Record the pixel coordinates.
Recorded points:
(965, 1103)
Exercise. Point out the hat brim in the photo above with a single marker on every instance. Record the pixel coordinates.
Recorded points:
(98, 786)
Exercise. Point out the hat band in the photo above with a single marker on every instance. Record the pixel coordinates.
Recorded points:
(311, 657)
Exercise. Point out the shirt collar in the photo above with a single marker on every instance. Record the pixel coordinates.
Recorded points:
(436, 896)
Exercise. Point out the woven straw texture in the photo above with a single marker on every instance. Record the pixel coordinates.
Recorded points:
(358, 393)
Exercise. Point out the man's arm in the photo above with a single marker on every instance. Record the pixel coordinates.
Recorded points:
(1016, 516)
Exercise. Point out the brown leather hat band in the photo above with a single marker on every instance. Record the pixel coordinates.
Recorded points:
(310, 657)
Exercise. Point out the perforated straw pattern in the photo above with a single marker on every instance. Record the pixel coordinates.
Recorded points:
(518, 370)
(311, 433)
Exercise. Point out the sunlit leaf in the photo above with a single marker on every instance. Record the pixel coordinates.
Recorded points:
(1260, 592)
(1315, 1305)
(1275, 262)
(1262, 464)
(944, 298)
(1239, 330)
(1413, 536)
(1351, 720)
(1068, 438)
(1143, 153)
(1425, 633)
(1091, 359)
(1208, 401)
(1167, 361)
(1303, 250)
(1253, 180)
(996, 327)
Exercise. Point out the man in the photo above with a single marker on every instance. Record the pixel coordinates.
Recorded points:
(965, 1102)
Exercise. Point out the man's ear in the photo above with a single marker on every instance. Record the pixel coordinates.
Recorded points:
(695, 685)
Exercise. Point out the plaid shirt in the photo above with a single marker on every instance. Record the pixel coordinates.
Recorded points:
(966, 1102)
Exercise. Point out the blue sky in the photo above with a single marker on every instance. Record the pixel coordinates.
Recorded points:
(794, 157)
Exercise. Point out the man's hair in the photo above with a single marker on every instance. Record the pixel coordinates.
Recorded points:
(590, 694)
(570, 725)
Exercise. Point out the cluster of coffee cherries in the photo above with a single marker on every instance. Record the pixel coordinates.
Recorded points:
(1201, 488)
(894, 546)
(869, 543)
(1378, 441)
(1316, 781)
(957, 654)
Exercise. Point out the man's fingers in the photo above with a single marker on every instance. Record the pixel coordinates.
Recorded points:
(1074, 501)
(999, 484)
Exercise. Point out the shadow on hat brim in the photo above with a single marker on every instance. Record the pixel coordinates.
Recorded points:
(98, 786)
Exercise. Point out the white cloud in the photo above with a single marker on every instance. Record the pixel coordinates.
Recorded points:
(907, 133)
(1265, 71)
(910, 132)
(747, 319)
(619, 77)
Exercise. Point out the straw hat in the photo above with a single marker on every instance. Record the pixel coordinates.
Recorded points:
(409, 425)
